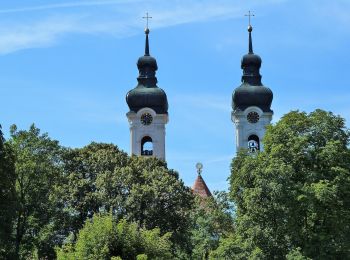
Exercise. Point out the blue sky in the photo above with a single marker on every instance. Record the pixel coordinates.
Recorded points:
(67, 65)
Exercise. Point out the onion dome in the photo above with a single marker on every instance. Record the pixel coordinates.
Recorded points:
(251, 92)
(147, 93)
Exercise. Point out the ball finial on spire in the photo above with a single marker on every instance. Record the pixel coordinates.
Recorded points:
(199, 167)
(250, 28)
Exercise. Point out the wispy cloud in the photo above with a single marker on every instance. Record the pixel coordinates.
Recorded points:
(49, 31)
(64, 5)
(115, 17)
(195, 12)
(39, 34)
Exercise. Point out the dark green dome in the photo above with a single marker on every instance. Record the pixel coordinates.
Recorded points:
(148, 61)
(248, 95)
(251, 59)
(141, 97)
(147, 93)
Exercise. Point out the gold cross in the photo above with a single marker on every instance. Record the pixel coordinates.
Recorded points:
(147, 17)
(249, 15)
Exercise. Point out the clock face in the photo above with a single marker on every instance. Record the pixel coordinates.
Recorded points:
(253, 117)
(146, 119)
(253, 146)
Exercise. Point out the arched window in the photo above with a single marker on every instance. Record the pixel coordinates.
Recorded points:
(146, 146)
(253, 143)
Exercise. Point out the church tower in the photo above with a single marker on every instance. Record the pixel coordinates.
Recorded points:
(199, 187)
(251, 103)
(148, 106)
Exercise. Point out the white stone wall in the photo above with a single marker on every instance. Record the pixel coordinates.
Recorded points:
(244, 128)
(156, 130)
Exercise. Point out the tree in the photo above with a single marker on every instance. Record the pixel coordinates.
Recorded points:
(100, 178)
(156, 197)
(90, 185)
(7, 197)
(38, 174)
(103, 238)
(57, 190)
(294, 197)
(212, 220)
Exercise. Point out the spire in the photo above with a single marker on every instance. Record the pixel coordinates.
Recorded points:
(251, 62)
(147, 32)
(251, 92)
(147, 44)
(199, 187)
(250, 29)
(146, 64)
(147, 93)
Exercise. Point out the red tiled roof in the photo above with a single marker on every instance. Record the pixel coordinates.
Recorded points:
(200, 188)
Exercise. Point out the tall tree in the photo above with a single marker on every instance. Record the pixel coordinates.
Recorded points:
(101, 178)
(85, 170)
(294, 197)
(156, 197)
(38, 174)
(7, 198)
(212, 220)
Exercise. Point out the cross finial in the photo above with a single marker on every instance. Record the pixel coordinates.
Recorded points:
(249, 16)
(147, 17)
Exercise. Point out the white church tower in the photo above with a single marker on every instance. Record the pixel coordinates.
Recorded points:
(251, 103)
(148, 106)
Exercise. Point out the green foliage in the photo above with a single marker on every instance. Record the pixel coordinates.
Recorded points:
(95, 239)
(49, 192)
(156, 197)
(296, 254)
(228, 248)
(37, 171)
(100, 178)
(296, 193)
(212, 220)
(142, 257)
(102, 238)
(7, 197)
(86, 170)
(292, 200)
